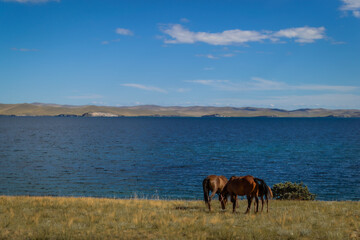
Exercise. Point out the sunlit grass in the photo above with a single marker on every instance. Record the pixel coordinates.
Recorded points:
(93, 218)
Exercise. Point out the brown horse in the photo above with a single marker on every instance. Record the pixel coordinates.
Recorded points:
(264, 191)
(241, 186)
(215, 184)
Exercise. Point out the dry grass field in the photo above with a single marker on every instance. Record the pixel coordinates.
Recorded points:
(94, 218)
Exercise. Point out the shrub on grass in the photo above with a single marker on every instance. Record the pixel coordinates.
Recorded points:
(292, 191)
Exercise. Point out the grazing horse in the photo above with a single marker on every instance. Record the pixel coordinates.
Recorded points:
(241, 186)
(215, 184)
(264, 191)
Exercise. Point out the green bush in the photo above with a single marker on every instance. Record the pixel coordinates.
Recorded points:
(292, 191)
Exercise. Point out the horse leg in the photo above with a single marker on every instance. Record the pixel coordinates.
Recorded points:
(249, 204)
(257, 203)
(262, 203)
(208, 204)
(234, 200)
(211, 196)
(254, 206)
(267, 205)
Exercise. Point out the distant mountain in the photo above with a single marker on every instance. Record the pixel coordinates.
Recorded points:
(40, 109)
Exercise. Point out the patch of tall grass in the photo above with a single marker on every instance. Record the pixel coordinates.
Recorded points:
(93, 218)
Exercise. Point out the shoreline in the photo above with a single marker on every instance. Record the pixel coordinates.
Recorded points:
(174, 117)
(160, 199)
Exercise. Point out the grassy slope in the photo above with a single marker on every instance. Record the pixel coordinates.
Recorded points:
(90, 218)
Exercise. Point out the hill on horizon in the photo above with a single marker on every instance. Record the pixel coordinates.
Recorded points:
(40, 109)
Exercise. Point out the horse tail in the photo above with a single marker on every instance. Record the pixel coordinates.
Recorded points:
(271, 194)
(206, 190)
(266, 189)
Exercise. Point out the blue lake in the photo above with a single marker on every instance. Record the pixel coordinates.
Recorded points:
(169, 157)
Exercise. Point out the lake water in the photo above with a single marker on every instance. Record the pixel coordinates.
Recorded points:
(169, 157)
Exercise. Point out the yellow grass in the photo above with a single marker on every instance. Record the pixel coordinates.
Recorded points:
(92, 218)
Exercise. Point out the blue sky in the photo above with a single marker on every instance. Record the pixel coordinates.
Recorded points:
(286, 54)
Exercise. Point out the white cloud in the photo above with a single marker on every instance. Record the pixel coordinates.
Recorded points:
(30, 1)
(256, 84)
(179, 34)
(209, 82)
(260, 84)
(220, 85)
(182, 35)
(352, 6)
(263, 84)
(210, 56)
(143, 87)
(337, 88)
(302, 34)
(120, 31)
(184, 20)
(124, 31)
